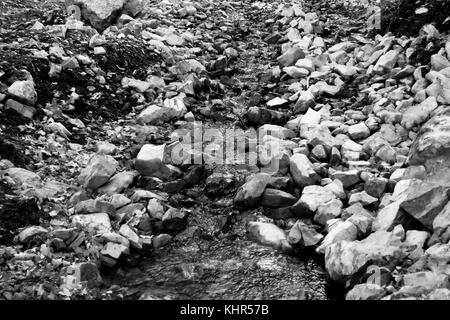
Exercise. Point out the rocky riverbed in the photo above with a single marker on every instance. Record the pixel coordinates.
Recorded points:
(232, 150)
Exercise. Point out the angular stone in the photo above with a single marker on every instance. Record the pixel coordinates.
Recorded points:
(344, 230)
(274, 198)
(426, 202)
(269, 235)
(24, 110)
(248, 195)
(98, 171)
(94, 206)
(118, 183)
(149, 161)
(302, 170)
(303, 235)
(96, 223)
(328, 210)
(30, 233)
(358, 131)
(365, 291)
(24, 91)
(291, 56)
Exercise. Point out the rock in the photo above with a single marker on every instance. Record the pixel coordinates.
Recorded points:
(217, 183)
(249, 194)
(291, 56)
(302, 170)
(295, 72)
(348, 178)
(312, 197)
(365, 291)
(439, 294)
(351, 150)
(363, 198)
(275, 131)
(337, 187)
(439, 62)
(23, 177)
(305, 101)
(24, 110)
(418, 114)
(98, 171)
(425, 202)
(149, 161)
(24, 91)
(118, 183)
(274, 198)
(431, 148)
(155, 209)
(100, 13)
(174, 220)
(104, 147)
(161, 240)
(441, 224)
(277, 102)
(131, 236)
(386, 62)
(153, 115)
(358, 131)
(96, 223)
(344, 230)
(376, 186)
(31, 233)
(115, 238)
(303, 235)
(416, 238)
(426, 279)
(328, 210)
(115, 250)
(87, 272)
(260, 116)
(94, 206)
(269, 235)
(363, 223)
(344, 259)
(389, 217)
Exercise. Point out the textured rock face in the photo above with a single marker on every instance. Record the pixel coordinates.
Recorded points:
(101, 13)
(98, 171)
(432, 146)
(344, 259)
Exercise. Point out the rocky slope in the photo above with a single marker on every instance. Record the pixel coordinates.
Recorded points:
(111, 184)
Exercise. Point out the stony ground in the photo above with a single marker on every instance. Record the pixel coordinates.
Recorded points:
(99, 198)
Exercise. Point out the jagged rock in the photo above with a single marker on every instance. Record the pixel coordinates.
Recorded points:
(365, 291)
(312, 197)
(274, 198)
(302, 170)
(115, 250)
(418, 114)
(100, 13)
(348, 178)
(275, 131)
(363, 223)
(131, 236)
(269, 235)
(344, 230)
(328, 210)
(24, 110)
(149, 161)
(115, 238)
(174, 220)
(24, 91)
(386, 62)
(376, 187)
(303, 235)
(358, 131)
(119, 182)
(425, 202)
(94, 206)
(96, 223)
(291, 56)
(30, 233)
(23, 177)
(441, 224)
(98, 171)
(344, 259)
(249, 194)
(363, 198)
(260, 116)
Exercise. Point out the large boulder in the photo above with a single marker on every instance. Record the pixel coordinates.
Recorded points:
(344, 259)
